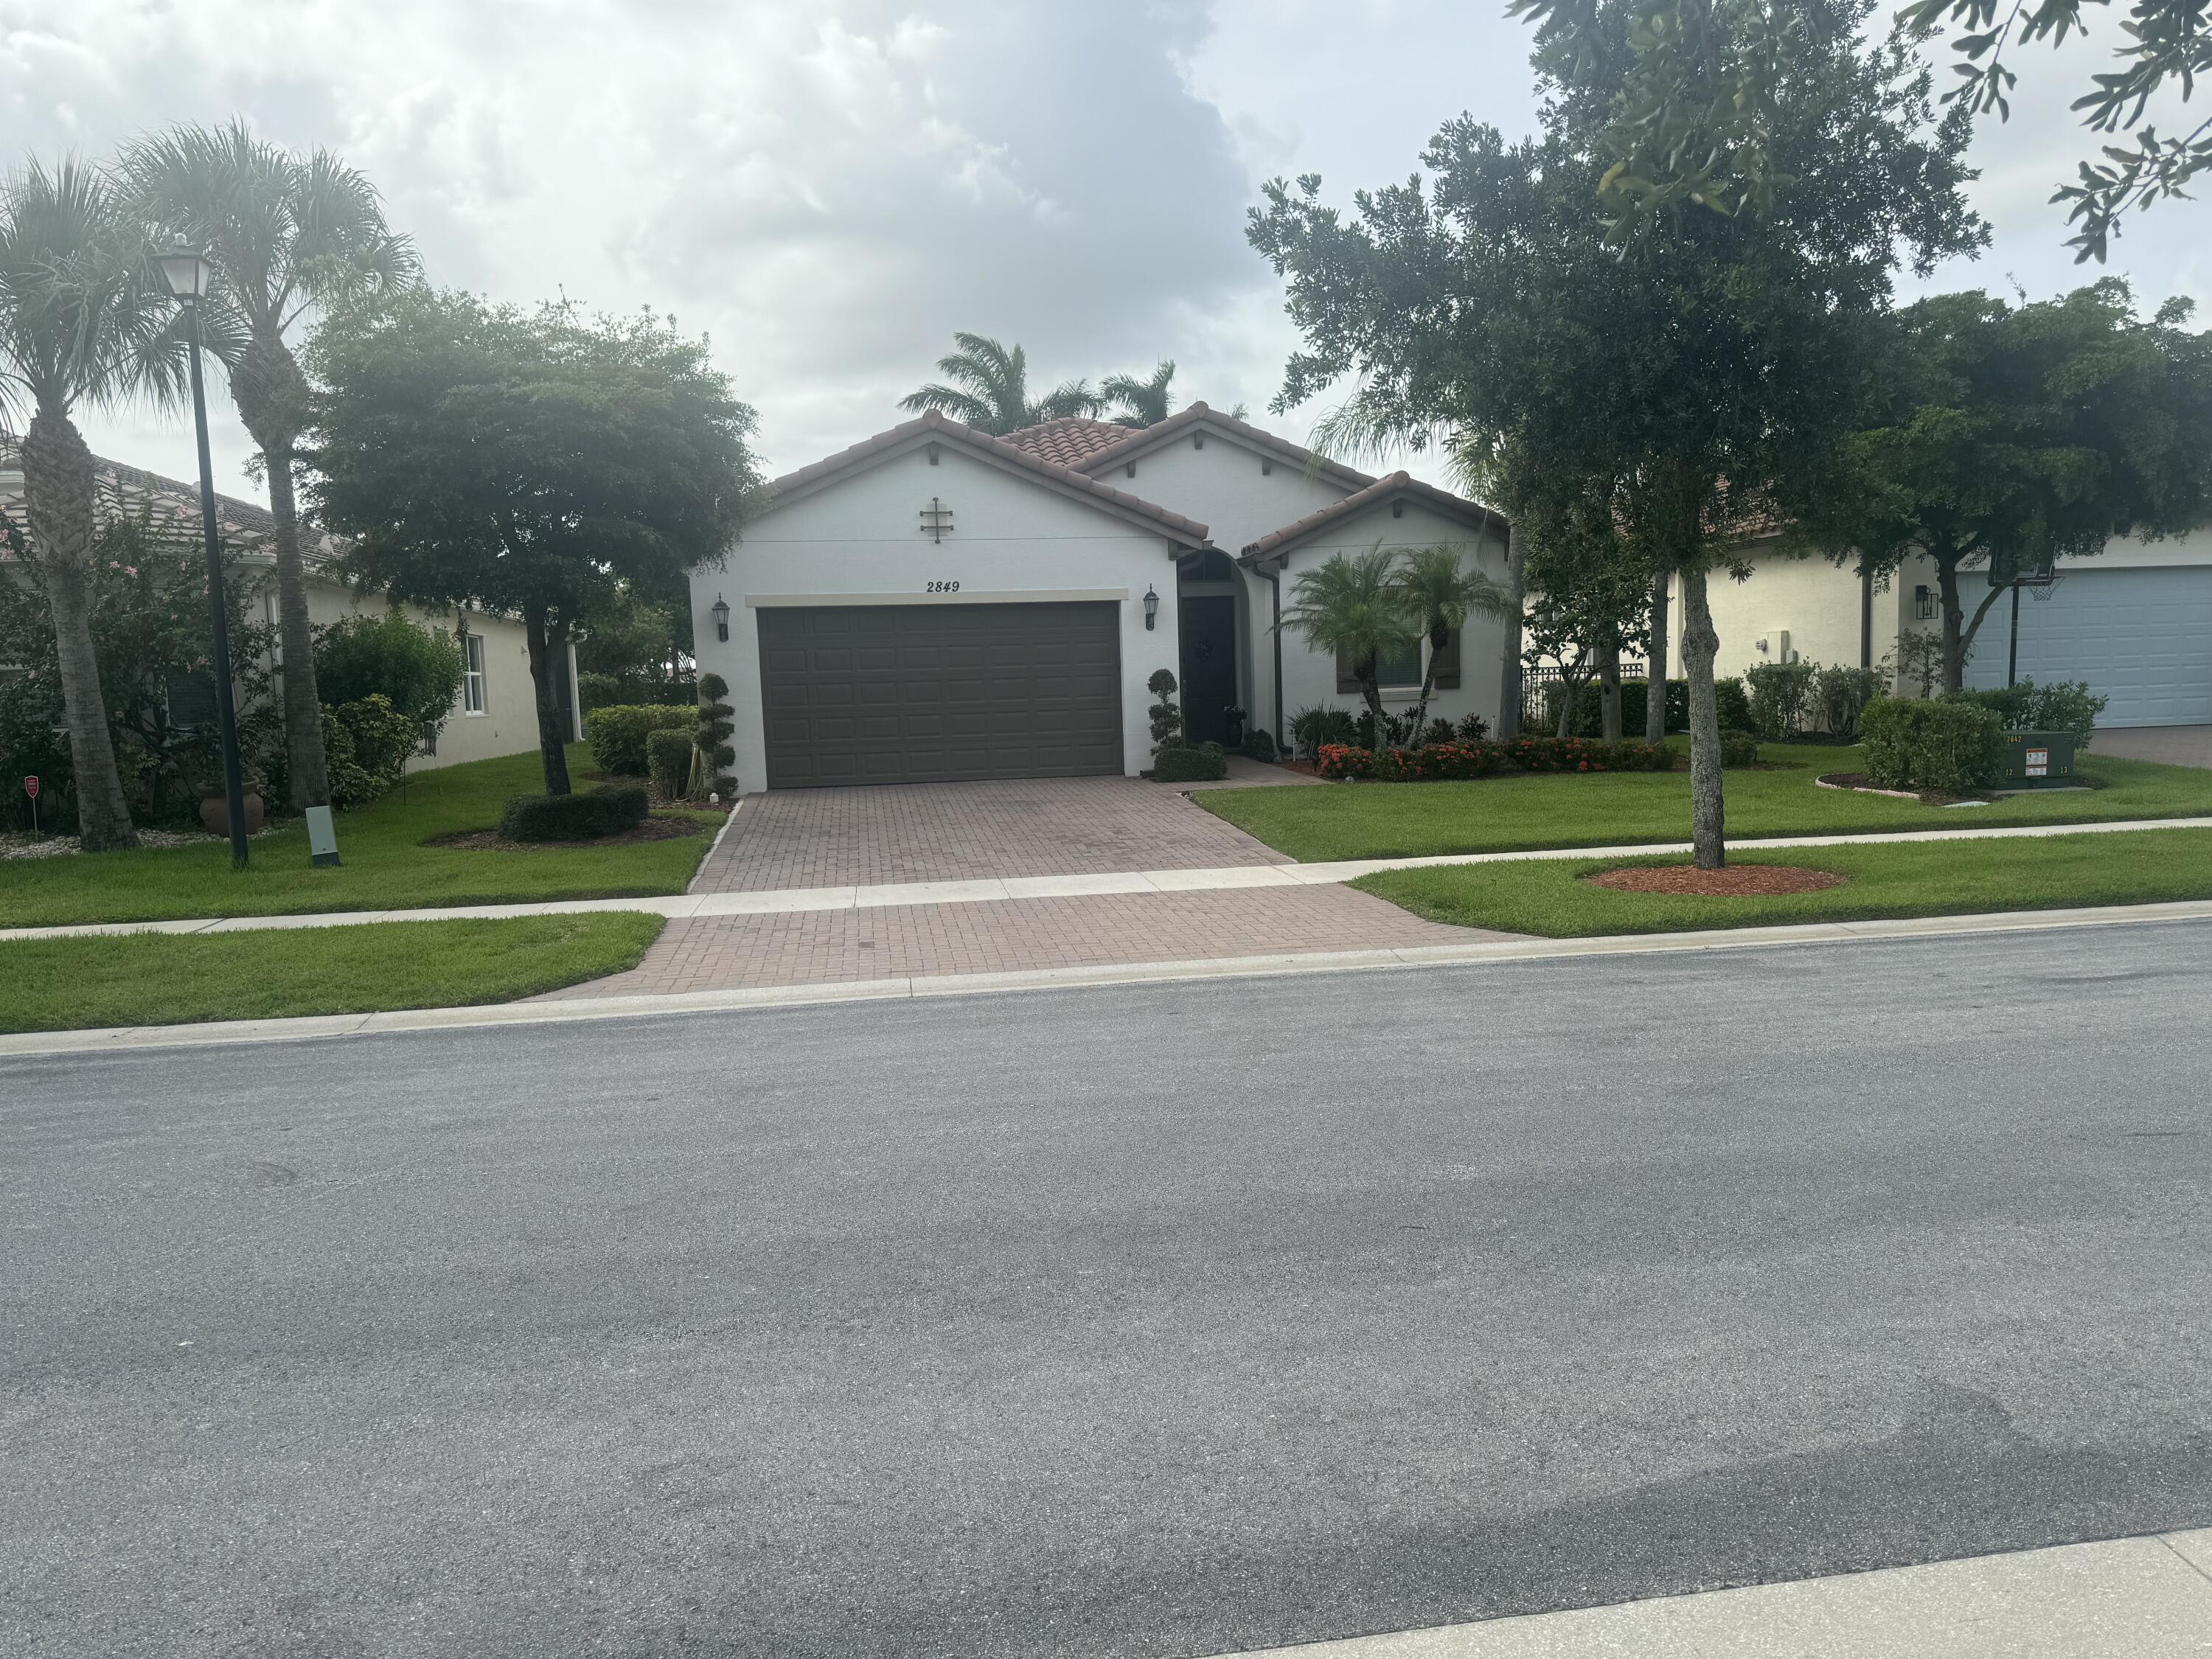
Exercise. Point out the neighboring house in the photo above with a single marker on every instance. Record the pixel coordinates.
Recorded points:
(2135, 621)
(936, 603)
(496, 713)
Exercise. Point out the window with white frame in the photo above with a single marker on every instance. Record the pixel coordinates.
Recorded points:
(472, 677)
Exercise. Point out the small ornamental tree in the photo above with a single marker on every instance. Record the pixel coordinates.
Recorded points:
(418, 670)
(1167, 719)
(716, 754)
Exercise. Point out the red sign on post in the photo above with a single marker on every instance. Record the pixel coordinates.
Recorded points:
(31, 787)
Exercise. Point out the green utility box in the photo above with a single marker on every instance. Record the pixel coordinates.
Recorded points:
(2038, 760)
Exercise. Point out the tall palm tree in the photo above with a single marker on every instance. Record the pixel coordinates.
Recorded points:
(1439, 594)
(282, 233)
(85, 320)
(991, 389)
(1139, 402)
(1351, 607)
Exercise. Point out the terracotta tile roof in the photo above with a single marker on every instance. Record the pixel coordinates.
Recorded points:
(1068, 441)
(121, 490)
(1382, 491)
(1134, 444)
(931, 424)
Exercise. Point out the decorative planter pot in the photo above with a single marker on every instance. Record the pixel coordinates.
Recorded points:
(214, 813)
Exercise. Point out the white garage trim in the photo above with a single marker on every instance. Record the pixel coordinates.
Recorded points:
(999, 596)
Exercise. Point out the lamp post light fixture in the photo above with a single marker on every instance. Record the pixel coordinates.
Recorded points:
(720, 608)
(1152, 606)
(187, 273)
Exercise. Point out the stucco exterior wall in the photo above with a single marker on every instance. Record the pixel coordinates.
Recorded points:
(1309, 677)
(1815, 602)
(1014, 539)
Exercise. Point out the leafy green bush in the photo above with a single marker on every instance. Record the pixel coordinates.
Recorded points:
(1176, 764)
(1781, 695)
(1728, 696)
(1586, 754)
(1260, 745)
(1739, 748)
(417, 669)
(1949, 744)
(713, 731)
(366, 744)
(2061, 706)
(668, 756)
(610, 810)
(1315, 725)
(617, 734)
(1840, 695)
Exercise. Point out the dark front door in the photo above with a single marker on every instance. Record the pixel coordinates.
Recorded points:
(931, 694)
(1209, 666)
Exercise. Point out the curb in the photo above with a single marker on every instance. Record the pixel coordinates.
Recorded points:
(311, 1027)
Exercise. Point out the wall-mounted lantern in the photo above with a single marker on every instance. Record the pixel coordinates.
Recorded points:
(1923, 603)
(720, 610)
(1152, 607)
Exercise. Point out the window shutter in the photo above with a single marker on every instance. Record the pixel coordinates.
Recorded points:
(1447, 664)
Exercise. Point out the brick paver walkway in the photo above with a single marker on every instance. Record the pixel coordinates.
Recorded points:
(824, 947)
(2177, 745)
(970, 832)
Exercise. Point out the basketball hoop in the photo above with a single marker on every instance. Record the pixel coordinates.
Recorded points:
(2043, 583)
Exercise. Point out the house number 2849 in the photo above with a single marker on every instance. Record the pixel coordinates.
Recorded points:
(944, 587)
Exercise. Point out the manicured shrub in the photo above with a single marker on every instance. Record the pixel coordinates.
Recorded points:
(1738, 749)
(1457, 760)
(1840, 695)
(1728, 696)
(366, 744)
(2061, 706)
(1781, 697)
(1260, 745)
(668, 758)
(1586, 754)
(1178, 765)
(617, 734)
(1166, 718)
(712, 733)
(610, 810)
(1946, 744)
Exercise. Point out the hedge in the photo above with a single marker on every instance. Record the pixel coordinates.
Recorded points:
(607, 810)
(668, 759)
(1176, 764)
(1946, 745)
(2060, 706)
(617, 734)
(1587, 754)
(1738, 749)
(1588, 719)
(1451, 761)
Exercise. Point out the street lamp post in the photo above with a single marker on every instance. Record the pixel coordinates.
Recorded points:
(187, 274)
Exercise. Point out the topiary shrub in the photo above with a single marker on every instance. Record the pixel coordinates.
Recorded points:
(712, 731)
(617, 734)
(1176, 764)
(610, 810)
(1166, 718)
(668, 760)
(1738, 749)
(1947, 745)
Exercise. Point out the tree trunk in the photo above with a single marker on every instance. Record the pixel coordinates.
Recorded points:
(57, 500)
(1508, 679)
(307, 773)
(1701, 644)
(1428, 690)
(1372, 693)
(1655, 676)
(1955, 642)
(1571, 693)
(1608, 691)
(549, 656)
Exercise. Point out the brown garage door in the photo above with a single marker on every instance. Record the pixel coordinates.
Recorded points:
(931, 694)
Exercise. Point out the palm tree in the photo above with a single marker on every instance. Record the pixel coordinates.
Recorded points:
(1352, 608)
(1439, 594)
(1140, 403)
(282, 234)
(86, 320)
(991, 389)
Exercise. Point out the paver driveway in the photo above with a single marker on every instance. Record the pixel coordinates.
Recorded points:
(2177, 745)
(970, 831)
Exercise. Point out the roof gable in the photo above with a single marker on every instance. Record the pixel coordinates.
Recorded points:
(1398, 486)
(933, 428)
(1135, 445)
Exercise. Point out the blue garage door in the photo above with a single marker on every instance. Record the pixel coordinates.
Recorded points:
(2143, 638)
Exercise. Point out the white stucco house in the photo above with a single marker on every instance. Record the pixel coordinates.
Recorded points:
(936, 603)
(2135, 621)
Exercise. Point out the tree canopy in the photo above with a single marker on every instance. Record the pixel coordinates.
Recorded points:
(987, 386)
(525, 462)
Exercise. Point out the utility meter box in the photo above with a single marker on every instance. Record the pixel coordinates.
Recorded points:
(2039, 760)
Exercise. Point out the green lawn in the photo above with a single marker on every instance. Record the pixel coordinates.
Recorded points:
(167, 979)
(1916, 878)
(385, 864)
(1532, 810)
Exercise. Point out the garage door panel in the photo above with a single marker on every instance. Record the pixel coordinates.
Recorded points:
(2142, 638)
(927, 693)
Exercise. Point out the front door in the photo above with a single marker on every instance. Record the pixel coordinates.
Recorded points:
(1209, 666)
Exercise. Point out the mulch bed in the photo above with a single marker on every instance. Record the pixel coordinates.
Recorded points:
(1742, 881)
(491, 840)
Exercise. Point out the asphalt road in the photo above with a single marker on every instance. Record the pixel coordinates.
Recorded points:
(1153, 1320)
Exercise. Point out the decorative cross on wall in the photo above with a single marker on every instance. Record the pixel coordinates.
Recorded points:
(936, 520)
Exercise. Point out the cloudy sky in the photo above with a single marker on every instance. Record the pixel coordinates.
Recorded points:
(829, 188)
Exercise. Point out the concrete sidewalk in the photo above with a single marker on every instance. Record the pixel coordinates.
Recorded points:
(685, 906)
(2126, 1598)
